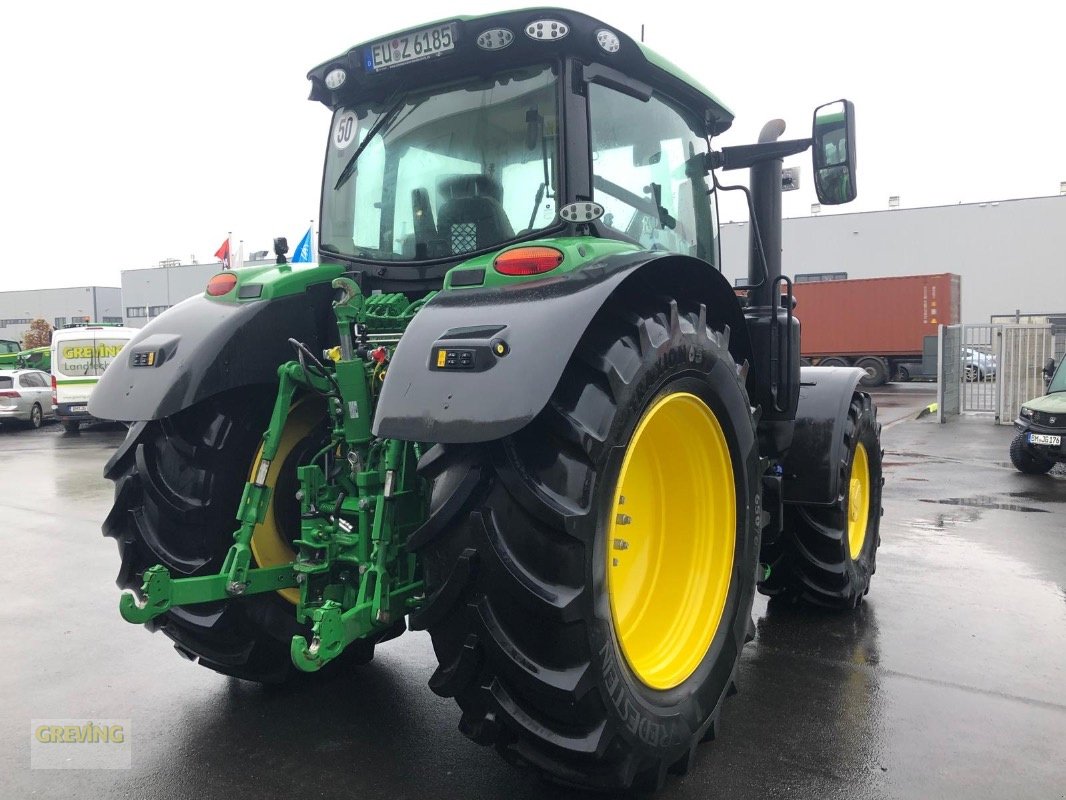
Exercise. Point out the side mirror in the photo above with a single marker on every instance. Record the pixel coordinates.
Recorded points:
(834, 152)
(1049, 370)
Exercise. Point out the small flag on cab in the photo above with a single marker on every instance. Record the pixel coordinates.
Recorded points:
(302, 253)
(222, 254)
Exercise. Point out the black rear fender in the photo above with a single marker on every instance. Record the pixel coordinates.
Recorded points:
(203, 347)
(537, 325)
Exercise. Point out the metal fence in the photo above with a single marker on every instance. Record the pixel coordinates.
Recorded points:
(991, 369)
(1024, 349)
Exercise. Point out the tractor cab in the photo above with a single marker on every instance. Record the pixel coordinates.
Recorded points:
(467, 136)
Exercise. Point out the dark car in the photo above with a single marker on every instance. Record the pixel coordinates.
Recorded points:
(1041, 424)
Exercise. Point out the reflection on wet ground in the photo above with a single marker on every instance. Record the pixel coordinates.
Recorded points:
(986, 502)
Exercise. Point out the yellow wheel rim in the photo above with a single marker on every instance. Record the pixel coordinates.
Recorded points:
(858, 501)
(269, 546)
(671, 540)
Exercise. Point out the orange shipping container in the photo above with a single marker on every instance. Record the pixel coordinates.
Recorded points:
(875, 316)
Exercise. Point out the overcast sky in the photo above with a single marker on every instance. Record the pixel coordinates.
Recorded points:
(134, 132)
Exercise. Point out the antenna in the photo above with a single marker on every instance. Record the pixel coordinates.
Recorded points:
(642, 33)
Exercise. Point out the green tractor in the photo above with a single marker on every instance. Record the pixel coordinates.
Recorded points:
(9, 353)
(516, 405)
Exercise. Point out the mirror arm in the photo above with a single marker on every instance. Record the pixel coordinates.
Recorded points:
(745, 155)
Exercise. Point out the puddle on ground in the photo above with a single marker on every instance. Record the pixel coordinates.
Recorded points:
(1040, 497)
(942, 522)
(987, 502)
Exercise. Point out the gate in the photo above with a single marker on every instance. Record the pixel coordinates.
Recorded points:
(978, 365)
(991, 369)
(1024, 349)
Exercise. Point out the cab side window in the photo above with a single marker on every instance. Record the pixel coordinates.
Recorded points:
(648, 173)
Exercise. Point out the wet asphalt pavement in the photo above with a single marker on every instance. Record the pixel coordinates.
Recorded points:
(950, 682)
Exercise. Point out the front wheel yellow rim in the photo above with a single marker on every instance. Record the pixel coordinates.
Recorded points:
(858, 501)
(671, 540)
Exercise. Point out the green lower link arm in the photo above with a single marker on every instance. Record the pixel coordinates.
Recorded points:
(161, 592)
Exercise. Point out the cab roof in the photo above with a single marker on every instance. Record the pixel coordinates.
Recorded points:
(631, 58)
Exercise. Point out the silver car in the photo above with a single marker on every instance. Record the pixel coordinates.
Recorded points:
(25, 396)
(977, 365)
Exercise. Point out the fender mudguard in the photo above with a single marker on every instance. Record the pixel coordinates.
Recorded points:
(479, 364)
(202, 347)
(812, 464)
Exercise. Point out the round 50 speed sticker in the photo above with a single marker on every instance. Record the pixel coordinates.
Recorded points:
(344, 130)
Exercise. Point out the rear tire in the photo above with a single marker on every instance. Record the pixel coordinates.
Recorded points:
(903, 374)
(1025, 460)
(178, 481)
(815, 559)
(515, 553)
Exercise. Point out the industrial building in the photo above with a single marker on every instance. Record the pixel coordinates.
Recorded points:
(147, 293)
(1011, 254)
(59, 307)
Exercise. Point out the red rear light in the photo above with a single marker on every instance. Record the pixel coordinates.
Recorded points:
(10, 394)
(221, 284)
(528, 261)
(55, 398)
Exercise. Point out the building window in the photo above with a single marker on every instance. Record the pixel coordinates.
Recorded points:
(115, 320)
(136, 311)
(17, 321)
(155, 311)
(819, 277)
(60, 322)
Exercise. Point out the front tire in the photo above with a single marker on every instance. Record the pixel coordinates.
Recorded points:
(1025, 460)
(827, 555)
(538, 640)
(36, 417)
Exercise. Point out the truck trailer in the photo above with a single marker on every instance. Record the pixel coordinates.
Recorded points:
(875, 324)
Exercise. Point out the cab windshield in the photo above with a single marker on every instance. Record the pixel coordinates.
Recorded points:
(432, 175)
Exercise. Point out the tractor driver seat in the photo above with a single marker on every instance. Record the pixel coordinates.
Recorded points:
(471, 215)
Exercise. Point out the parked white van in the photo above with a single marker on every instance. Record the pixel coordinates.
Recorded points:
(79, 357)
